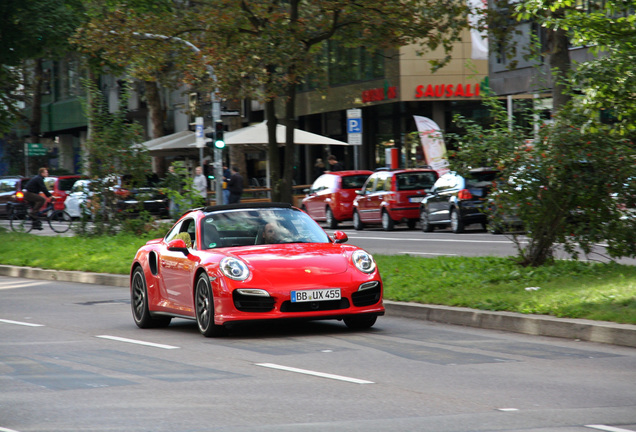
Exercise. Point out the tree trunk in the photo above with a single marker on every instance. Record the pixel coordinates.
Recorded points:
(287, 194)
(560, 65)
(157, 111)
(272, 150)
(35, 122)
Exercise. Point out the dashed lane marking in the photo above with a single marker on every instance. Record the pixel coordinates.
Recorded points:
(314, 373)
(137, 342)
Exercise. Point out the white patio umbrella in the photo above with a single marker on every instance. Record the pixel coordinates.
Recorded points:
(257, 135)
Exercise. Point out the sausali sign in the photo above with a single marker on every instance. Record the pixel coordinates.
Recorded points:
(447, 91)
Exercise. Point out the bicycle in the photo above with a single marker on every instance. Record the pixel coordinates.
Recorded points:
(22, 221)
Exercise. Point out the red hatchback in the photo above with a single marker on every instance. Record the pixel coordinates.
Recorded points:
(391, 197)
(330, 198)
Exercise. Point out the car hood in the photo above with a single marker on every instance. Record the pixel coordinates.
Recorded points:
(293, 259)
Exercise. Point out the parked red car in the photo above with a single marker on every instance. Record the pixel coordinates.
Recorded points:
(60, 187)
(391, 197)
(220, 265)
(330, 198)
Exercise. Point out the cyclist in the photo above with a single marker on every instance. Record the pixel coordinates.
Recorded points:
(32, 195)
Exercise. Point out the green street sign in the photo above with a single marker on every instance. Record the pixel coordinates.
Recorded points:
(35, 149)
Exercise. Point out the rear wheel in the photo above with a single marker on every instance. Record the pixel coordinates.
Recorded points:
(331, 221)
(357, 223)
(204, 304)
(360, 322)
(457, 225)
(60, 221)
(139, 303)
(388, 224)
(20, 222)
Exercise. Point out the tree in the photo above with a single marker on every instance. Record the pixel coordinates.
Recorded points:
(31, 31)
(263, 49)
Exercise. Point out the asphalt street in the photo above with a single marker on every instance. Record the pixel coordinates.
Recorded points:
(574, 329)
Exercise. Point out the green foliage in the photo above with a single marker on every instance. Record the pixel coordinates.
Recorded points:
(568, 289)
(179, 187)
(566, 186)
(112, 156)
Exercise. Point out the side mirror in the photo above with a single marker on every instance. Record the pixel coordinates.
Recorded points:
(340, 237)
(178, 245)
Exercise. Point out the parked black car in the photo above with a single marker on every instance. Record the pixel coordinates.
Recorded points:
(147, 197)
(9, 187)
(458, 201)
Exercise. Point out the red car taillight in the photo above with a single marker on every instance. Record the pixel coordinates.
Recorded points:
(464, 194)
(19, 196)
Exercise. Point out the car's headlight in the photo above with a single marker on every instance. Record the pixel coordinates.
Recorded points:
(234, 268)
(363, 261)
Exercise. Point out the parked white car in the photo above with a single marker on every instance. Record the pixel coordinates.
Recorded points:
(75, 202)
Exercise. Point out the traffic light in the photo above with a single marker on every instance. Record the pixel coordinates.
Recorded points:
(219, 142)
(209, 139)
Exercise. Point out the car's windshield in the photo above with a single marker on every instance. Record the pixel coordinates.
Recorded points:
(230, 228)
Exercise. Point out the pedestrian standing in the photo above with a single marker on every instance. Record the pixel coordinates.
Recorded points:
(334, 165)
(235, 185)
(201, 184)
(319, 168)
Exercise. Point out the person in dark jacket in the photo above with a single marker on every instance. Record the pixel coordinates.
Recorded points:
(32, 195)
(334, 164)
(235, 185)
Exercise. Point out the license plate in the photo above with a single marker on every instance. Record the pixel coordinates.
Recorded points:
(315, 295)
(416, 199)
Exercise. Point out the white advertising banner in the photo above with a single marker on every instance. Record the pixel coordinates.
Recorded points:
(479, 40)
(433, 144)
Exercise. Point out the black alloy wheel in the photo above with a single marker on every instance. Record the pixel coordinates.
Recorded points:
(139, 303)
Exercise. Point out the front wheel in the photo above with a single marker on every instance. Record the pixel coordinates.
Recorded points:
(360, 322)
(20, 222)
(357, 223)
(60, 221)
(204, 304)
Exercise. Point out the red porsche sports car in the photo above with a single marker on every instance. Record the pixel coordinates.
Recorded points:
(245, 262)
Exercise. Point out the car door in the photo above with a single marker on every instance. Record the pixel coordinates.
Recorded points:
(176, 269)
(318, 193)
(437, 203)
(364, 201)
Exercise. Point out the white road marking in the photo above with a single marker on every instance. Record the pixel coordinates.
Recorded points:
(314, 373)
(7, 430)
(138, 342)
(507, 409)
(608, 428)
(427, 253)
(14, 285)
(22, 324)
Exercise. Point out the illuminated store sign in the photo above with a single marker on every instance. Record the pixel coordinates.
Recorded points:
(447, 90)
(379, 94)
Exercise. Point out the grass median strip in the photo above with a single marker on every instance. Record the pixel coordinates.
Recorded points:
(567, 289)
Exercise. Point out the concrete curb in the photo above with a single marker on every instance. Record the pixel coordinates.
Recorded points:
(538, 325)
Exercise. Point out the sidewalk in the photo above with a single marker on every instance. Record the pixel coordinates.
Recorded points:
(538, 325)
